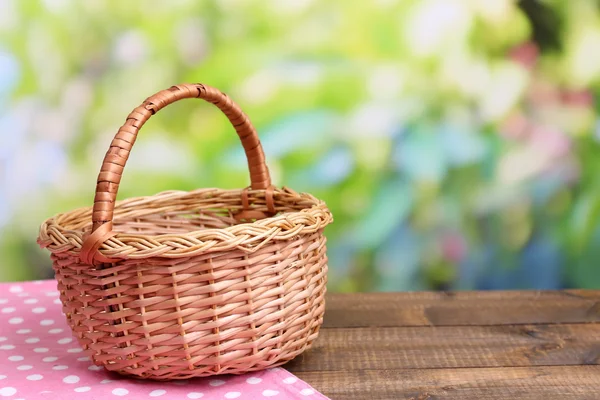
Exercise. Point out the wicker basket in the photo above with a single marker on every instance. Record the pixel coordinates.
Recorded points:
(188, 284)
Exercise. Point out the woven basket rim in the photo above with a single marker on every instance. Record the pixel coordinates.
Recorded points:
(56, 235)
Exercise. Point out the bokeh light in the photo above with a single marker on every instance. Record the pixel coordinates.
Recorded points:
(456, 141)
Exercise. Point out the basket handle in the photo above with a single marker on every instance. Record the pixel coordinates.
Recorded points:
(120, 147)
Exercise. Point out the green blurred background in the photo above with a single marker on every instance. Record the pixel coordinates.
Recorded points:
(455, 141)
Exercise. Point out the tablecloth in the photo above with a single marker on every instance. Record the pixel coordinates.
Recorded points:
(40, 359)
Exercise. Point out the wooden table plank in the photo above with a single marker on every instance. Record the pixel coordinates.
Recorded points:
(350, 349)
(461, 308)
(528, 383)
(465, 345)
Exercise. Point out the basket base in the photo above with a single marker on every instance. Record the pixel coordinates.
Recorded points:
(167, 374)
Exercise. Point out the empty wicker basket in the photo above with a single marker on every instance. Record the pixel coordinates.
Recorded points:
(187, 284)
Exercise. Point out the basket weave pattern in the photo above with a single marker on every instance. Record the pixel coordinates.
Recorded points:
(187, 284)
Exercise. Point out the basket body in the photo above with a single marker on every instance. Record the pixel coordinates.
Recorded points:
(215, 312)
(189, 284)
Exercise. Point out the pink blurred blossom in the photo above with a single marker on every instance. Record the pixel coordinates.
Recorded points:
(551, 141)
(525, 54)
(578, 98)
(453, 246)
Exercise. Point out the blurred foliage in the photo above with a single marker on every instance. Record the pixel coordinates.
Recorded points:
(456, 141)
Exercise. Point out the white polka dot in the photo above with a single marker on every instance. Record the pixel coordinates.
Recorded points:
(3, 339)
(60, 367)
(55, 330)
(65, 340)
(216, 382)
(83, 359)
(23, 295)
(75, 350)
(2, 377)
(195, 395)
(51, 294)
(270, 393)
(35, 377)
(32, 340)
(120, 392)
(16, 358)
(71, 379)
(83, 389)
(7, 347)
(46, 322)
(30, 301)
(3, 301)
(15, 321)
(307, 392)
(40, 350)
(56, 301)
(253, 380)
(24, 367)
(7, 391)
(289, 380)
(49, 359)
(15, 289)
(232, 395)
(156, 393)
(38, 310)
(23, 331)
(103, 381)
(95, 368)
(7, 310)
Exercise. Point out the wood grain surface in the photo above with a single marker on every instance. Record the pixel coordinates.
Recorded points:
(466, 345)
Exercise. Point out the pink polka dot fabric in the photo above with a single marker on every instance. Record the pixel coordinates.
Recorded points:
(40, 359)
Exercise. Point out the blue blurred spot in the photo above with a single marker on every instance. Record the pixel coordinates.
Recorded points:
(493, 271)
(307, 130)
(470, 269)
(420, 154)
(538, 266)
(390, 207)
(9, 74)
(541, 264)
(301, 131)
(397, 261)
(11, 135)
(4, 208)
(544, 187)
(342, 256)
(462, 145)
(336, 165)
(51, 159)
(596, 132)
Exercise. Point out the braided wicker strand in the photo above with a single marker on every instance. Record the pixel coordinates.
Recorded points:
(174, 286)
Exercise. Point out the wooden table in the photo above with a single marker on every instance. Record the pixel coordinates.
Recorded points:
(469, 345)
